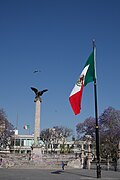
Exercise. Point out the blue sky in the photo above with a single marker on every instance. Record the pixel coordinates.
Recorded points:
(55, 37)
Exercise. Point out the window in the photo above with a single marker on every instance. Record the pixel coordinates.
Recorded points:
(22, 142)
(22, 151)
(29, 142)
(17, 142)
(12, 143)
(55, 146)
(17, 151)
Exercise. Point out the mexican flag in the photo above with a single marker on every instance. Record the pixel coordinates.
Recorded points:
(87, 75)
(26, 127)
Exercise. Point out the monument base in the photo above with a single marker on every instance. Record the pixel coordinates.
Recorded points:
(36, 153)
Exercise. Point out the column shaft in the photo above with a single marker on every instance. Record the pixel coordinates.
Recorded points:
(37, 123)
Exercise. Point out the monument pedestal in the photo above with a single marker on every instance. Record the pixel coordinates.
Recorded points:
(37, 147)
(37, 150)
(36, 153)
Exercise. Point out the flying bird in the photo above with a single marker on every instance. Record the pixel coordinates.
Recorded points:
(38, 93)
(36, 71)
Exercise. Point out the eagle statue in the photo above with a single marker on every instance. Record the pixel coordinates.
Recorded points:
(38, 93)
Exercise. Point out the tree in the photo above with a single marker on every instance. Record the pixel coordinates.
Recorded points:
(6, 130)
(109, 131)
(86, 128)
(63, 131)
(46, 134)
(55, 132)
(52, 136)
(109, 128)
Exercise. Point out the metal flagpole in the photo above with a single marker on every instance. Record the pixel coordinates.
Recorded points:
(29, 129)
(96, 117)
(17, 122)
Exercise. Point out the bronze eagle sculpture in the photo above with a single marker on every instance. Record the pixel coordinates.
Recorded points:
(38, 93)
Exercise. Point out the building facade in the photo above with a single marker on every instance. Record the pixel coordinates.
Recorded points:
(22, 144)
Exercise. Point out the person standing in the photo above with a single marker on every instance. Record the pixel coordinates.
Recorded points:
(63, 165)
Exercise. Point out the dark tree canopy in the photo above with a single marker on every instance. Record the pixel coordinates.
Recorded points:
(109, 127)
(64, 131)
(45, 134)
(109, 131)
(86, 128)
(55, 132)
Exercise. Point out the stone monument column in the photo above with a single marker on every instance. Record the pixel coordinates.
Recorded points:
(37, 122)
(37, 146)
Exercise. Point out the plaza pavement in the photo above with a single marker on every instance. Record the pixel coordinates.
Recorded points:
(55, 174)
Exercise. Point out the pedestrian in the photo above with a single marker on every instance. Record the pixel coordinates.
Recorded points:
(63, 165)
(115, 163)
(85, 163)
(0, 161)
(29, 156)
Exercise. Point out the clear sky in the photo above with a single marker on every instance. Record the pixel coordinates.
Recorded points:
(55, 37)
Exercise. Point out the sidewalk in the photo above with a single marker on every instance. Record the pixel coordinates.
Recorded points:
(92, 174)
(55, 174)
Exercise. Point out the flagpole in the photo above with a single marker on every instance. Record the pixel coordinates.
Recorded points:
(17, 122)
(96, 117)
(29, 130)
